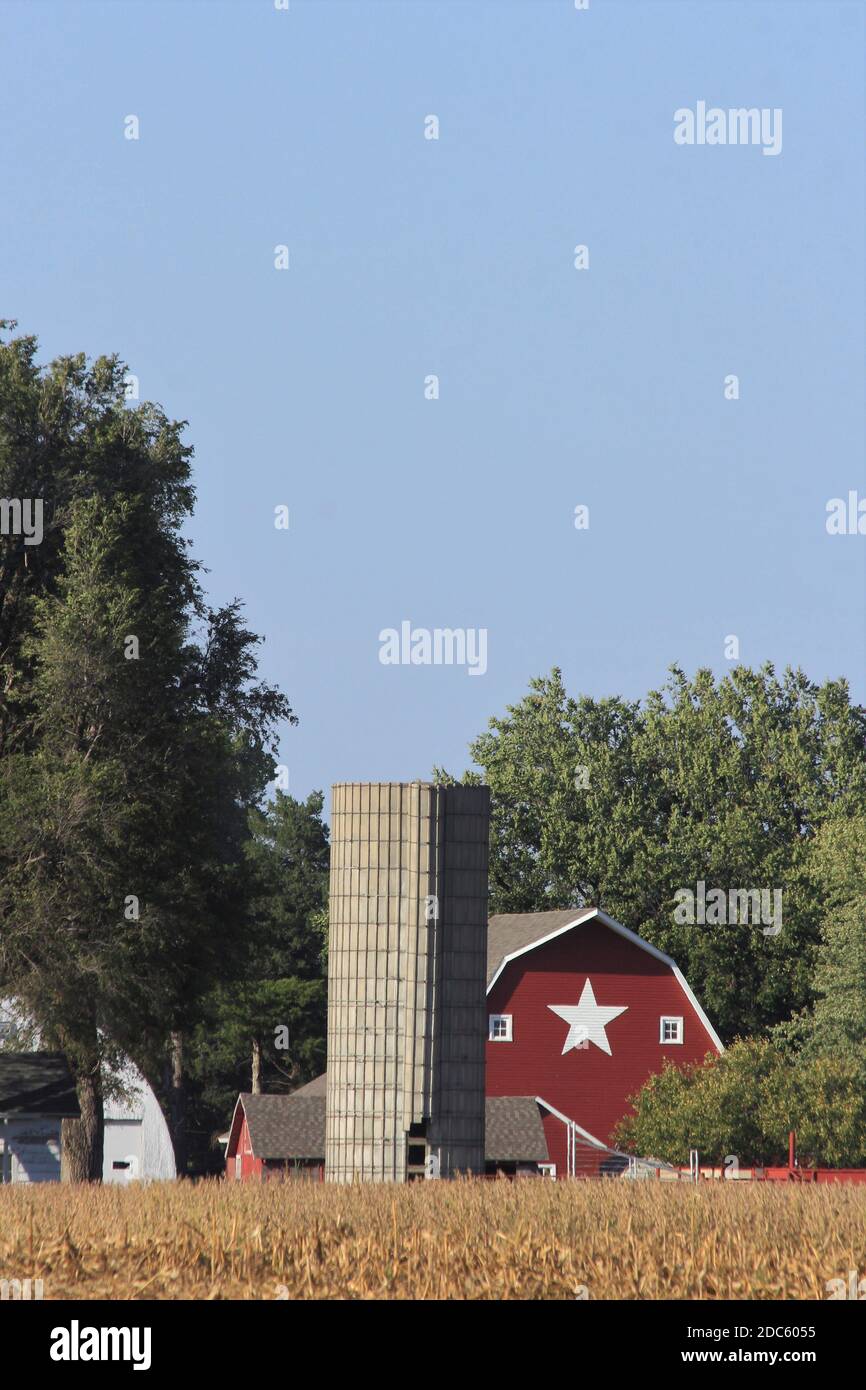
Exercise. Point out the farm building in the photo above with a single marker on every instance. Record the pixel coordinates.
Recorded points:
(581, 1011)
(37, 1092)
(278, 1134)
(284, 1135)
(137, 1141)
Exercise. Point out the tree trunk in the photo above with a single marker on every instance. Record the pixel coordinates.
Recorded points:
(81, 1141)
(178, 1104)
(257, 1067)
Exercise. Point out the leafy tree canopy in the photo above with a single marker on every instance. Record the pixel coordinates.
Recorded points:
(623, 803)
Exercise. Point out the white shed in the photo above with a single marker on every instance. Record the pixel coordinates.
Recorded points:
(137, 1143)
(36, 1094)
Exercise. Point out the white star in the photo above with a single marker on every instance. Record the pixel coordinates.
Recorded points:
(587, 1020)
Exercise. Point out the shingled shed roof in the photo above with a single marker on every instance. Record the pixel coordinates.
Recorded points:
(317, 1087)
(37, 1083)
(283, 1127)
(514, 1131)
(286, 1126)
(510, 932)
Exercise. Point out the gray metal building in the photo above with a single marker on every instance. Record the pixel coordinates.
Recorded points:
(406, 981)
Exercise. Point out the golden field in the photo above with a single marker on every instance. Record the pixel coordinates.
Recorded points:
(440, 1240)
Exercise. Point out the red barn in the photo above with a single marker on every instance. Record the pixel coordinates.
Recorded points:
(581, 1011)
(278, 1136)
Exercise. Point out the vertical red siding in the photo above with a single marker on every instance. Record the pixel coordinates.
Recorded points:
(585, 1084)
(251, 1167)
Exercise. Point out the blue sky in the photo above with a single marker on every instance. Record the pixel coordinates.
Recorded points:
(410, 257)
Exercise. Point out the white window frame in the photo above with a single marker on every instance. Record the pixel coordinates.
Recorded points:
(547, 1170)
(492, 1035)
(671, 1042)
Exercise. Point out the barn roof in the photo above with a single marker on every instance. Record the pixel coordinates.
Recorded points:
(509, 933)
(514, 1130)
(286, 1126)
(512, 934)
(283, 1127)
(37, 1083)
(316, 1087)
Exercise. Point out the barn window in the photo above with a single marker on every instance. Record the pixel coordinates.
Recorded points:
(671, 1030)
(500, 1028)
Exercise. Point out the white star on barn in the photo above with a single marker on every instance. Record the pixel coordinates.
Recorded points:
(587, 1020)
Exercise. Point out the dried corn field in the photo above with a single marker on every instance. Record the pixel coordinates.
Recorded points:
(460, 1240)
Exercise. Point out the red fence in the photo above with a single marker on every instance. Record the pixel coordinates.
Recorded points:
(800, 1175)
(792, 1173)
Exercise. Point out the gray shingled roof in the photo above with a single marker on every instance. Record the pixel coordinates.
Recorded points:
(511, 931)
(294, 1126)
(286, 1126)
(316, 1087)
(514, 1131)
(37, 1083)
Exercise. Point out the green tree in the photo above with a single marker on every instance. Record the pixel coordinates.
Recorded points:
(132, 748)
(745, 1102)
(836, 1027)
(203, 926)
(264, 1024)
(287, 990)
(81, 796)
(621, 803)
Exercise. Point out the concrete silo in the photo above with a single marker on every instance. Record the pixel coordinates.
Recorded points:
(407, 960)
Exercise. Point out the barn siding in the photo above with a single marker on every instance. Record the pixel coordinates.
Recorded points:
(250, 1166)
(122, 1145)
(587, 1085)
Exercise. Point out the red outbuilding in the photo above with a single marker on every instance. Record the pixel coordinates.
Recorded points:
(278, 1136)
(581, 1012)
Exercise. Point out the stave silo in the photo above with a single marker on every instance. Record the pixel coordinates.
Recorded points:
(407, 959)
